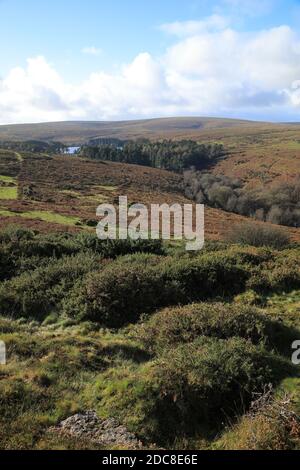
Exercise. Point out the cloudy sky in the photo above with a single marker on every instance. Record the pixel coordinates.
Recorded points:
(127, 59)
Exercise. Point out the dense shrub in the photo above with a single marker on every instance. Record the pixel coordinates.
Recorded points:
(15, 234)
(36, 294)
(250, 255)
(209, 375)
(114, 248)
(22, 250)
(280, 274)
(57, 245)
(258, 235)
(121, 293)
(208, 276)
(117, 295)
(170, 327)
(189, 388)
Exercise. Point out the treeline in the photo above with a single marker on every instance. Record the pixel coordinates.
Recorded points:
(98, 141)
(35, 146)
(279, 204)
(167, 154)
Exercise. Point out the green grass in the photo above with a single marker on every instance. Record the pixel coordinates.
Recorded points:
(7, 179)
(51, 217)
(47, 378)
(97, 198)
(6, 213)
(68, 192)
(107, 188)
(46, 216)
(294, 145)
(8, 192)
(286, 305)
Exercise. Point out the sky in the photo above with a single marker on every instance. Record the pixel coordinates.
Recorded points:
(129, 59)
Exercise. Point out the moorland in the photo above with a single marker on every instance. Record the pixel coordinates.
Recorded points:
(187, 350)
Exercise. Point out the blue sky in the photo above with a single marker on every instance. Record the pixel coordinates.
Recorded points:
(122, 59)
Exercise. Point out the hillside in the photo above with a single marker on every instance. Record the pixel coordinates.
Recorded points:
(61, 193)
(78, 132)
(258, 153)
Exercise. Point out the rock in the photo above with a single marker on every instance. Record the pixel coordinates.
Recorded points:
(107, 432)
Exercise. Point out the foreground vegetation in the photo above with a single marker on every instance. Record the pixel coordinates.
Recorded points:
(177, 346)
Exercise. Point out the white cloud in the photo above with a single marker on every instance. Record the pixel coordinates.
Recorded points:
(91, 50)
(189, 28)
(211, 69)
(294, 93)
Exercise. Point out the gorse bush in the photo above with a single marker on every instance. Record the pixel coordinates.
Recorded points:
(39, 270)
(13, 234)
(115, 282)
(250, 255)
(208, 275)
(22, 250)
(280, 274)
(259, 235)
(173, 326)
(117, 295)
(120, 294)
(38, 293)
(208, 375)
(188, 388)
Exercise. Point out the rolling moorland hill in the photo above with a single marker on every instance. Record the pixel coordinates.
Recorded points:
(78, 132)
(257, 152)
(61, 193)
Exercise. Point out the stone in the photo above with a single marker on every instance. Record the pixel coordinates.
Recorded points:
(107, 432)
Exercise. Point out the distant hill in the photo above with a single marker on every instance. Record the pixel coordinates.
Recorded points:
(259, 153)
(78, 132)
